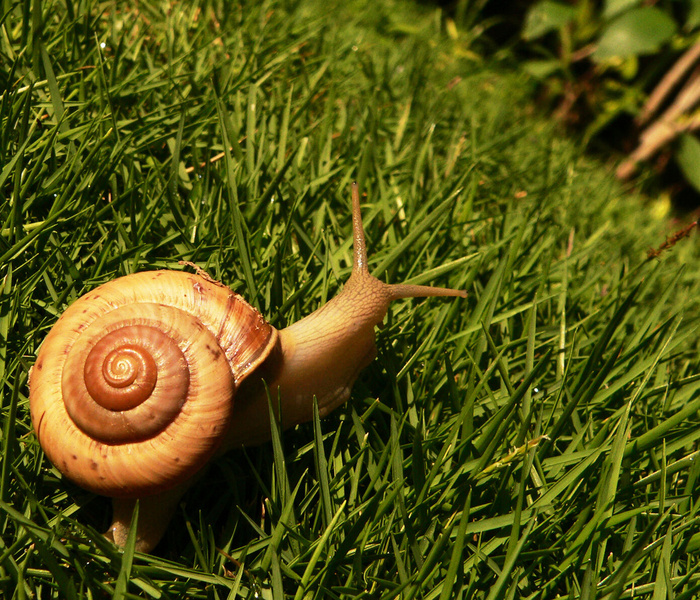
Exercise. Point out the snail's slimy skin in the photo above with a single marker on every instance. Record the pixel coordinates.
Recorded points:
(208, 359)
(319, 356)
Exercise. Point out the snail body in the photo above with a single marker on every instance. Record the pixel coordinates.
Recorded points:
(143, 380)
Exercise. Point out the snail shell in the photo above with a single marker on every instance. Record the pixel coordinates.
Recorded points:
(134, 386)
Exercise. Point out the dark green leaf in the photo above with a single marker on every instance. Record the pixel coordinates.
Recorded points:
(688, 159)
(636, 32)
(546, 16)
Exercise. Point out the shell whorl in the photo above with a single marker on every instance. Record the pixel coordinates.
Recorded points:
(133, 388)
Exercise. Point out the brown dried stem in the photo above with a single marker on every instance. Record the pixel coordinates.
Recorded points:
(670, 80)
(671, 241)
(667, 127)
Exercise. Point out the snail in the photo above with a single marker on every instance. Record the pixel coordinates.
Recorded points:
(144, 379)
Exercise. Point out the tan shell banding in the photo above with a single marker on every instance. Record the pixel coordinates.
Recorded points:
(119, 372)
(220, 338)
(170, 338)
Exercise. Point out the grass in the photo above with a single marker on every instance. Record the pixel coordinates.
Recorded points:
(536, 440)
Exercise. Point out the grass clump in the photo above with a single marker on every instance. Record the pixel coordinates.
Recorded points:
(538, 439)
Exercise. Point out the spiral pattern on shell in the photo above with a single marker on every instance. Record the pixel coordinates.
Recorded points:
(134, 386)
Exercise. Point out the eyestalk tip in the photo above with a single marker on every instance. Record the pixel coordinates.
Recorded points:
(404, 290)
(358, 233)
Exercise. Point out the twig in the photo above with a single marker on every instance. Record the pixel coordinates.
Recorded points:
(666, 128)
(216, 157)
(201, 272)
(671, 241)
(212, 160)
(669, 81)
